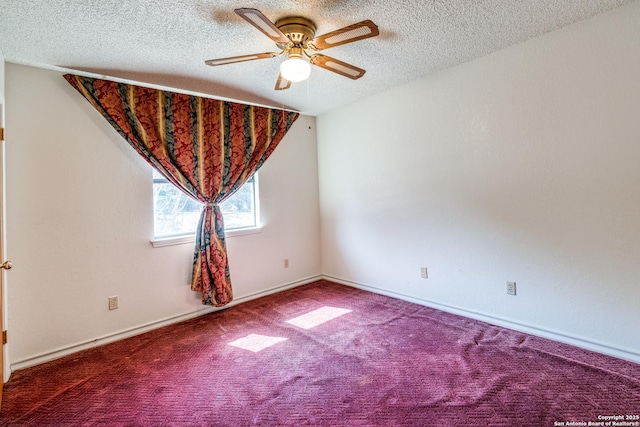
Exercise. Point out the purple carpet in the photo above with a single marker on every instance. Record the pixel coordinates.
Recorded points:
(327, 355)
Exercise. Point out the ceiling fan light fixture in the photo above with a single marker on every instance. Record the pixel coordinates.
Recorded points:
(295, 69)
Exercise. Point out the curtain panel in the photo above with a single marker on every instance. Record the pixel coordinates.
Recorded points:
(208, 148)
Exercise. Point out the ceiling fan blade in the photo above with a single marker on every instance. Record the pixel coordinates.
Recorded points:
(282, 83)
(361, 30)
(258, 20)
(337, 66)
(242, 58)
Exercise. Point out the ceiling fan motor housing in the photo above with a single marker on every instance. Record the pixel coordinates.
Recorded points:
(299, 30)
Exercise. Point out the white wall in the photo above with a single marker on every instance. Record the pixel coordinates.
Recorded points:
(80, 220)
(522, 165)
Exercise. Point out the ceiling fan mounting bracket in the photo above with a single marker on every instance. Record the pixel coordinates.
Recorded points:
(299, 30)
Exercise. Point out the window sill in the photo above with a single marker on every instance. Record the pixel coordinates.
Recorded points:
(181, 240)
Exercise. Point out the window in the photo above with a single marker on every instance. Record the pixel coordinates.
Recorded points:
(176, 214)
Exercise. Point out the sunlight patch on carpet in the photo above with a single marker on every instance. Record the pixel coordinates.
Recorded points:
(256, 343)
(317, 317)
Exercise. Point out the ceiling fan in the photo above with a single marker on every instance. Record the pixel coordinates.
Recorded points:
(295, 36)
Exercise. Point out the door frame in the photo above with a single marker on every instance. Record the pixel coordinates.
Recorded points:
(2, 236)
(4, 368)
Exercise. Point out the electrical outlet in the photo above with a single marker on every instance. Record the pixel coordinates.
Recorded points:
(113, 302)
(286, 263)
(424, 273)
(511, 288)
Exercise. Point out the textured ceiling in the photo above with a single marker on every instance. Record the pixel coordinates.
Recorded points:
(165, 43)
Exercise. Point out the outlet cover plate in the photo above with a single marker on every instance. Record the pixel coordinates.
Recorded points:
(113, 302)
(511, 288)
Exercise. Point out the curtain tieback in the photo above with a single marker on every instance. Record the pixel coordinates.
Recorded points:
(211, 205)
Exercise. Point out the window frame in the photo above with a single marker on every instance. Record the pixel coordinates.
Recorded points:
(232, 232)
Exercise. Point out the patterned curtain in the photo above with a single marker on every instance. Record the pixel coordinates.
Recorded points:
(207, 148)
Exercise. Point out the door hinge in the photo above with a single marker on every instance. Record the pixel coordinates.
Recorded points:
(4, 337)
(1, 134)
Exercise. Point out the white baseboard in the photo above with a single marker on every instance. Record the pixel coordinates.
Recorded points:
(520, 327)
(116, 336)
(529, 329)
